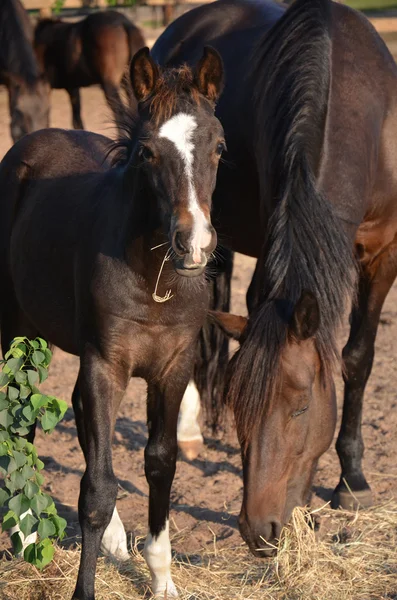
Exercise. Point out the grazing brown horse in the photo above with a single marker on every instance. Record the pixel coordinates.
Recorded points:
(28, 93)
(84, 264)
(309, 186)
(95, 50)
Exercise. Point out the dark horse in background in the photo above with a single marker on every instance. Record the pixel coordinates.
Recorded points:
(95, 50)
(28, 93)
(84, 249)
(309, 186)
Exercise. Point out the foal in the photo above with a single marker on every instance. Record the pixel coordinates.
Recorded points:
(94, 50)
(85, 246)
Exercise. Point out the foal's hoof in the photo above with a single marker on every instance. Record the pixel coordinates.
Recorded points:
(190, 450)
(352, 500)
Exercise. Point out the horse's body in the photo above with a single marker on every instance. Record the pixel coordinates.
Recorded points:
(82, 247)
(28, 93)
(95, 50)
(309, 184)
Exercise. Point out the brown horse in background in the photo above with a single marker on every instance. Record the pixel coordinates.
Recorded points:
(309, 186)
(95, 50)
(28, 93)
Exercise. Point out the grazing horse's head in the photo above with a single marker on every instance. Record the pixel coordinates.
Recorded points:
(29, 106)
(292, 422)
(180, 144)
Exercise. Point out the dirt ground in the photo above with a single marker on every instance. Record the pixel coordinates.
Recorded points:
(207, 493)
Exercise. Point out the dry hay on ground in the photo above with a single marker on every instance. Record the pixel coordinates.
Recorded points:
(354, 558)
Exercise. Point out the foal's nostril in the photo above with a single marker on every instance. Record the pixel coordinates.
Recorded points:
(180, 243)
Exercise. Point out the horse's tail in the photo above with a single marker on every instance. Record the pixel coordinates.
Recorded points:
(306, 247)
(213, 350)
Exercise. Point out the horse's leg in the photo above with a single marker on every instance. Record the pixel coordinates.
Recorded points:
(114, 541)
(102, 386)
(374, 285)
(74, 95)
(164, 399)
(113, 98)
(190, 440)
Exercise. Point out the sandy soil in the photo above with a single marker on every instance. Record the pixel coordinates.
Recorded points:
(206, 495)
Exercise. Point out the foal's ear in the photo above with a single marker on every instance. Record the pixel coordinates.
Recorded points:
(144, 73)
(208, 74)
(306, 317)
(231, 325)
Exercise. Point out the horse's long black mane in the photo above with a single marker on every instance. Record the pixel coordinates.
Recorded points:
(16, 53)
(306, 247)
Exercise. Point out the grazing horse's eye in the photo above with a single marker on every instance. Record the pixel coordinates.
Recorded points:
(299, 412)
(145, 153)
(220, 148)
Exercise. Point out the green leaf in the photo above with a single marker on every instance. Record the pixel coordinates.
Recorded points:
(24, 391)
(4, 435)
(34, 343)
(29, 554)
(4, 495)
(31, 489)
(3, 379)
(16, 542)
(46, 528)
(14, 364)
(48, 355)
(49, 420)
(3, 448)
(9, 520)
(51, 508)
(33, 377)
(39, 464)
(19, 504)
(61, 407)
(21, 377)
(39, 479)
(17, 479)
(20, 443)
(29, 413)
(3, 403)
(38, 504)
(13, 392)
(37, 358)
(42, 343)
(43, 373)
(5, 462)
(60, 525)
(19, 458)
(27, 472)
(27, 523)
(45, 553)
(38, 400)
(6, 419)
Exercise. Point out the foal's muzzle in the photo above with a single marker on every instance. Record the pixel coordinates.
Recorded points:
(189, 261)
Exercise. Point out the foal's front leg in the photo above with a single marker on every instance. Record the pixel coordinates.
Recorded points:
(164, 399)
(102, 386)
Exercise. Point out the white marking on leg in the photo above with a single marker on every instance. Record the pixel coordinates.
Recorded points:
(188, 425)
(114, 541)
(30, 539)
(157, 553)
(179, 130)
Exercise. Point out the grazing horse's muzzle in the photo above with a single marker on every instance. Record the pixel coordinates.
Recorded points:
(261, 538)
(191, 258)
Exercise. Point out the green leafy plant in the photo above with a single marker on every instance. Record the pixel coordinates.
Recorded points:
(57, 6)
(21, 404)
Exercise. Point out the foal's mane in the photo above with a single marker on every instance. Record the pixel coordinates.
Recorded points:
(306, 247)
(175, 85)
(16, 52)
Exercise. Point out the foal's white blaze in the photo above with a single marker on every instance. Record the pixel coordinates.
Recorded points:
(114, 541)
(157, 553)
(180, 130)
(188, 425)
(26, 541)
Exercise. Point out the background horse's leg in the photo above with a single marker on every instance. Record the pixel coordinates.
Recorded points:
(114, 540)
(74, 95)
(374, 285)
(190, 440)
(102, 386)
(164, 399)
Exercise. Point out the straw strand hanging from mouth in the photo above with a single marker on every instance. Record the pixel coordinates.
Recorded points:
(168, 294)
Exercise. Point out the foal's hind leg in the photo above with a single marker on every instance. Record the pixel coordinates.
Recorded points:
(114, 541)
(164, 399)
(375, 282)
(102, 386)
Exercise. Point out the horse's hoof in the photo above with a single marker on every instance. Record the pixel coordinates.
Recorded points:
(352, 500)
(191, 450)
(165, 594)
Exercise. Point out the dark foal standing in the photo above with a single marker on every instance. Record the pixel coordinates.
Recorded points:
(84, 245)
(28, 93)
(95, 50)
(309, 186)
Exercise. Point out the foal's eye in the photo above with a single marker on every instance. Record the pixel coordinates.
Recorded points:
(145, 153)
(220, 148)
